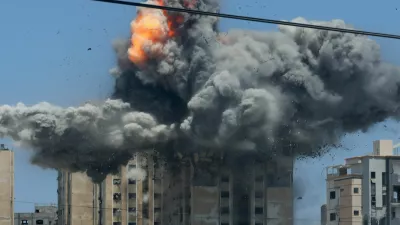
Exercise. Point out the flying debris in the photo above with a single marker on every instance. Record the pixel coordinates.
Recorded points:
(184, 88)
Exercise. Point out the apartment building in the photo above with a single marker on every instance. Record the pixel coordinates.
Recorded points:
(6, 186)
(43, 215)
(184, 195)
(365, 189)
(256, 193)
(117, 200)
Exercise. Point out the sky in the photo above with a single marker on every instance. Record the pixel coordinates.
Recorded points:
(44, 57)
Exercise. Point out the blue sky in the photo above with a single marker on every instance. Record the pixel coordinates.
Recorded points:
(44, 57)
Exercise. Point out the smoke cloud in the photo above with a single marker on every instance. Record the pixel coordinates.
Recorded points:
(292, 91)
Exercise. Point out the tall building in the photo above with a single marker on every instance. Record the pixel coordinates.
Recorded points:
(6, 186)
(43, 215)
(119, 199)
(256, 194)
(365, 188)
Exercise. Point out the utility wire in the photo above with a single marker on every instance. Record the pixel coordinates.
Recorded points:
(254, 19)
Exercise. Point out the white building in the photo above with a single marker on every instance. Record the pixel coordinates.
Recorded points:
(365, 188)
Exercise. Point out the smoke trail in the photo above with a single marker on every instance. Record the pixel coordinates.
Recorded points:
(291, 91)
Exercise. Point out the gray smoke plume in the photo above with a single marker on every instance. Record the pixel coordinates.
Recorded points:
(292, 91)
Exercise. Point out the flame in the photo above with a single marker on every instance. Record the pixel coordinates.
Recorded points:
(151, 26)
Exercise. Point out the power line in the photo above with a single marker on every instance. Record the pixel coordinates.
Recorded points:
(254, 19)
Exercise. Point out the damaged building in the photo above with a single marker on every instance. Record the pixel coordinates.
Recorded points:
(193, 193)
(365, 190)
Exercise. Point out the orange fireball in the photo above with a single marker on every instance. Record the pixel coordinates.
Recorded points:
(151, 26)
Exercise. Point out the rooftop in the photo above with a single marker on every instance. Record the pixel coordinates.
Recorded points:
(3, 148)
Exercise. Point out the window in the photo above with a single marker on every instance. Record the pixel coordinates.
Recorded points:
(384, 179)
(117, 196)
(258, 194)
(131, 166)
(258, 223)
(131, 210)
(332, 195)
(157, 195)
(116, 210)
(116, 223)
(157, 209)
(224, 194)
(259, 178)
(373, 201)
(37, 211)
(258, 210)
(373, 175)
(132, 223)
(116, 181)
(24, 222)
(132, 195)
(356, 213)
(384, 201)
(225, 179)
(332, 216)
(224, 223)
(356, 190)
(224, 210)
(130, 181)
(145, 210)
(39, 221)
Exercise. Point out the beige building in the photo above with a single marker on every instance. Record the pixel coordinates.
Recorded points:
(117, 200)
(44, 214)
(6, 186)
(256, 193)
(181, 195)
(344, 198)
(365, 190)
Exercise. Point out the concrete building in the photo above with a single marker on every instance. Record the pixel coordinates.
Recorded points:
(43, 215)
(365, 188)
(254, 194)
(181, 196)
(6, 186)
(117, 200)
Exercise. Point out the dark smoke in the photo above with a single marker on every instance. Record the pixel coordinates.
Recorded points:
(295, 90)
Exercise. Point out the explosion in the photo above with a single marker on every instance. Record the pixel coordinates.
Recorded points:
(151, 27)
(178, 89)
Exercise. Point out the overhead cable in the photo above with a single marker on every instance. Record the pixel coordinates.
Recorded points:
(254, 19)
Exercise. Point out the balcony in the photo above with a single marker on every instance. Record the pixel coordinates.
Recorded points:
(347, 170)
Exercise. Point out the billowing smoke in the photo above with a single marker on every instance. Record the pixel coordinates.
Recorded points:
(294, 90)
(137, 173)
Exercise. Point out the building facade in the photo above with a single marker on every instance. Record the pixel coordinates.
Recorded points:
(120, 199)
(254, 193)
(144, 192)
(365, 189)
(43, 215)
(6, 186)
